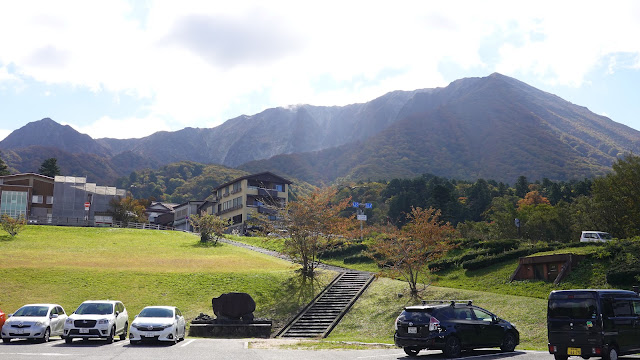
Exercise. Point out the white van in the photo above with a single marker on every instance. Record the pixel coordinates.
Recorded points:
(601, 236)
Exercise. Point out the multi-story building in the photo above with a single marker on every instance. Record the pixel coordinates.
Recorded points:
(26, 195)
(238, 199)
(60, 200)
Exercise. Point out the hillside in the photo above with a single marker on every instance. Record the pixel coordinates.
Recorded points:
(492, 127)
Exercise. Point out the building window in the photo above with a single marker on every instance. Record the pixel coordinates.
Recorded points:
(36, 199)
(13, 203)
(279, 187)
(49, 200)
(236, 187)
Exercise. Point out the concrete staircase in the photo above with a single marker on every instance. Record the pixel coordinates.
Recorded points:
(327, 309)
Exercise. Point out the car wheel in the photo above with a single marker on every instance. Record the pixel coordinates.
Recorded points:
(612, 354)
(111, 335)
(6, 340)
(47, 334)
(68, 340)
(175, 338)
(508, 342)
(184, 333)
(452, 347)
(411, 351)
(123, 336)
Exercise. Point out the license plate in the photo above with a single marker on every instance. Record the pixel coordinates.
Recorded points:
(20, 331)
(412, 330)
(574, 351)
(84, 331)
(149, 335)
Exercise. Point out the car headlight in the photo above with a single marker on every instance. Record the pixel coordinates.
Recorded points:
(164, 326)
(103, 321)
(69, 321)
(39, 323)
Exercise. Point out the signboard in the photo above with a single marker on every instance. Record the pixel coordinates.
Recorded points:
(362, 217)
(87, 205)
(356, 204)
(368, 206)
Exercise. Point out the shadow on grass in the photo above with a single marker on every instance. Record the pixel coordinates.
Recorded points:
(208, 244)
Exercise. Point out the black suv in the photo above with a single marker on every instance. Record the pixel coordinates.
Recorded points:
(452, 326)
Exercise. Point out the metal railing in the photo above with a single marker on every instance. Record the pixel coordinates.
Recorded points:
(81, 222)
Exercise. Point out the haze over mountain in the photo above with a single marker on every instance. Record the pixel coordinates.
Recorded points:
(494, 127)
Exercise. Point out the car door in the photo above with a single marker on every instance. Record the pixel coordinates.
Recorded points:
(122, 317)
(464, 326)
(62, 317)
(181, 324)
(490, 331)
(54, 321)
(623, 321)
(635, 308)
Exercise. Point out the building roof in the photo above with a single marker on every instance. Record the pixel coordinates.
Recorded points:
(44, 177)
(266, 175)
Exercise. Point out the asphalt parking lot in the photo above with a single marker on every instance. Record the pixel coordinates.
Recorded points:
(231, 349)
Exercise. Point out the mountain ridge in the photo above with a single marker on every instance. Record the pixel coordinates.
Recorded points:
(493, 127)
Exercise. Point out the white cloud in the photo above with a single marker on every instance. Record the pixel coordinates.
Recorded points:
(199, 62)
(107, 127)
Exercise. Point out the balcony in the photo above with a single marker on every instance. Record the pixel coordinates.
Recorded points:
(233, 208)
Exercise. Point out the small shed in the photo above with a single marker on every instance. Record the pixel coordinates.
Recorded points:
(546, 267)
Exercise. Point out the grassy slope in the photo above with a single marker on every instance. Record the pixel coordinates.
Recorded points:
(372, 317)
(143, 267)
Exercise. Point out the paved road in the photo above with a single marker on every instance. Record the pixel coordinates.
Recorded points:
(227, 349)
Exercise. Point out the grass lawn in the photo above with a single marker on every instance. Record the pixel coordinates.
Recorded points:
(372, 317)
(67, 265)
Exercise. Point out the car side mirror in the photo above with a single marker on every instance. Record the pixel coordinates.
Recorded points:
(117, 313)
(9, 315)
(53, 316)
(135, 316)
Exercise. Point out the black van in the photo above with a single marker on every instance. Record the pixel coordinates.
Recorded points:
(593, 323)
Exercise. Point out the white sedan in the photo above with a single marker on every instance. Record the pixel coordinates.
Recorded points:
(163, 323)
(35, 321)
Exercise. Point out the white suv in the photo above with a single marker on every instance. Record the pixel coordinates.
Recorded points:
(97, 319)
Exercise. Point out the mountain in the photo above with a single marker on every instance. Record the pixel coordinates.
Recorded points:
(493, 127)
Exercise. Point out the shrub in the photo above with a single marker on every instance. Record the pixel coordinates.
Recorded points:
(356, 259)
(343, 250)
(485, 261)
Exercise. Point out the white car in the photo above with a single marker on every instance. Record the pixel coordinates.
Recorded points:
(595, 236)
(35, 321)
(163, 323)
(97, 319)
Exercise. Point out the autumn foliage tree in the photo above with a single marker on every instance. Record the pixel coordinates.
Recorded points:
(408, 250)
(313, 223)
(12, 225)
(128, 210)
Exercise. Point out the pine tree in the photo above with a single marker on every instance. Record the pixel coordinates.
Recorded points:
(4, 169)
(49, 167)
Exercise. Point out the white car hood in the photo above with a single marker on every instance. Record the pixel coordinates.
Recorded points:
(90, 317)
(152, 321)
(26, 319)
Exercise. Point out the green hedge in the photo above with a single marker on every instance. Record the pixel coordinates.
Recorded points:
(343, 250)
(356, 259)
(485, 261)
(623, 275)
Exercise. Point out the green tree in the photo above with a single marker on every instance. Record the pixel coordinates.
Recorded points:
(502, 214)
(128, 210)
(210, 227)
(12, 225)
(522, 186)
(4, 169)
(49, 167)
(616, 198)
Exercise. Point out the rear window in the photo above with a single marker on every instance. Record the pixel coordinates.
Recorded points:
(572, 308)
(416, 316)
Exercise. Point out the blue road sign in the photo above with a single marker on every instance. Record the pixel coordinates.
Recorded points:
(356, 204)
(368, 205)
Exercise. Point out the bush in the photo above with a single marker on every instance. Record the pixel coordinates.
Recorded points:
(343, 250)
(443, 264)
(624, 275)
(356, 259)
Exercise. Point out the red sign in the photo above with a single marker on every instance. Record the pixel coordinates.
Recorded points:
(87, 205)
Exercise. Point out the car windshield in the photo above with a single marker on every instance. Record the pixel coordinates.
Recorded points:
(95, 309)
(156, 313)
(572, 308)
(32, 311)
(416, 316)
(605, 236)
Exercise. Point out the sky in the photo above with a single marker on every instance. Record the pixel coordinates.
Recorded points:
(127, 69)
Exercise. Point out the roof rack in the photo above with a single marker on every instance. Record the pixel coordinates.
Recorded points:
(453, 302)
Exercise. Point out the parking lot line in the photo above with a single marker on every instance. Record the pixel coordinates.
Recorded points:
(187, 342)
(120, 343)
